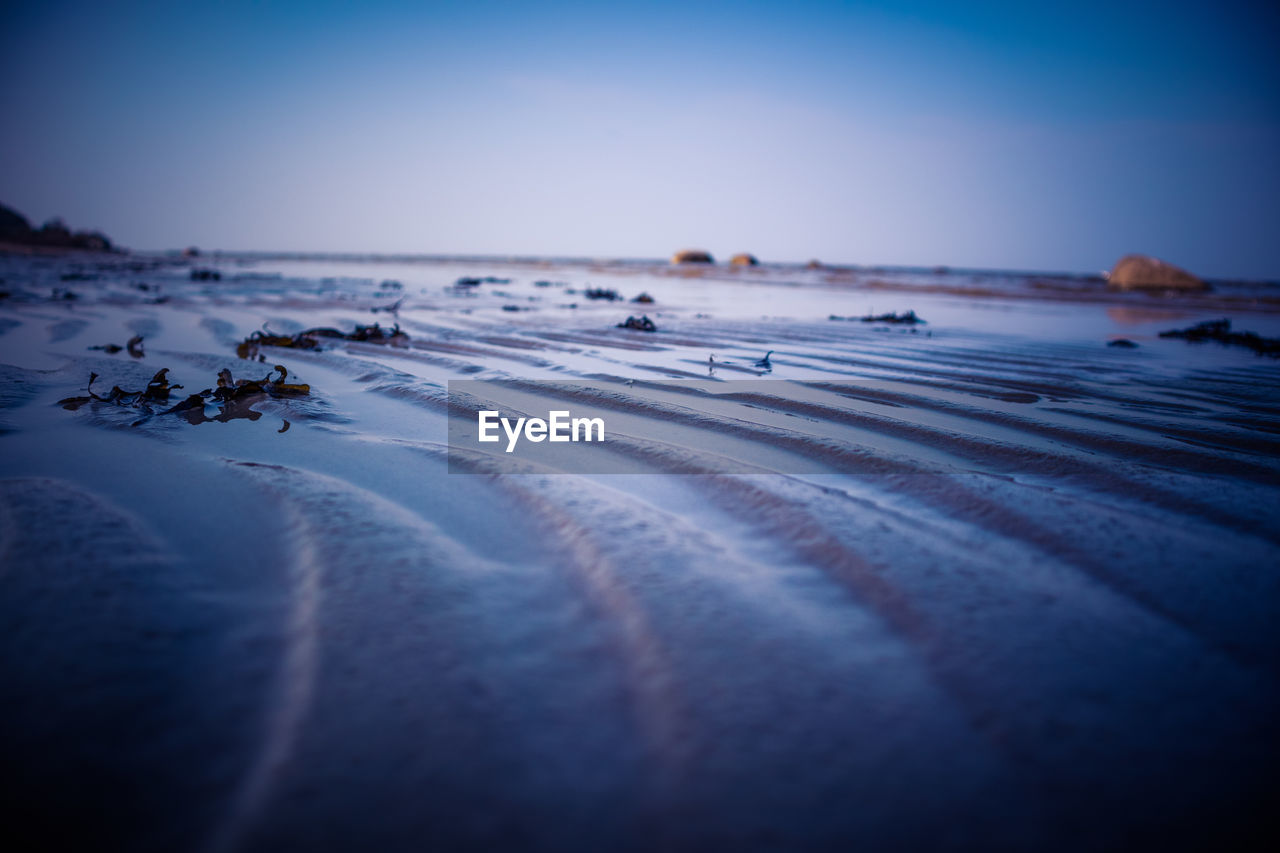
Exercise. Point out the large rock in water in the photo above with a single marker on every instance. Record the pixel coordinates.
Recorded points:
(1140, 272)
(692, 256)
(744, 260)
(14, 227)
(54, 234)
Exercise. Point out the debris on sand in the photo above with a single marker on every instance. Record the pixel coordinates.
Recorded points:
(474, 281)
(311, 338)
(134, 346)
(641, 324)
(233, 397)
(644, 299)
(907, 319)
(1122, 343)
(205, 275)
(764, 362)
(392, 309)
(606, 293)
(157, 391)
(1219, 331)
(230, 388)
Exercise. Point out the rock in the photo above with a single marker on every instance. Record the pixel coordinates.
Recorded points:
(692, 256)
(1140, 272)
(744, 260)
(814, 264)
(54, 234)
(14, 227)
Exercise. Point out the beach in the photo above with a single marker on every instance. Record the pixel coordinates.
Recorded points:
(980, 578)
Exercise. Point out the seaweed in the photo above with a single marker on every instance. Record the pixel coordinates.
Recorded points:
(474, 281)
(909, 318)
(206, 275)
(1122, 343)
(134, 346)
(233, 397)
(606, 293)
(1219, 331)
(157, 391)
(644, 299)
(392, 309)
(311, 338)
(641, 324)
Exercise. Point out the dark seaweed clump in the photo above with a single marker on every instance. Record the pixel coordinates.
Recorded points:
(640, 324)
(1219, 331)
(906, 319)
(232, 397)
(393, 308)
(474, 281)
(909, 318)
(606, 293)
(134, 346)
(311, 338)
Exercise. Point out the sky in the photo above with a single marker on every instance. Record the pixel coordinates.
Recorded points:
(1035, 136)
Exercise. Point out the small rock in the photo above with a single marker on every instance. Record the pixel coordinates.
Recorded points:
(692, 256)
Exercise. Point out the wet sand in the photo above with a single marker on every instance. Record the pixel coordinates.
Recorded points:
(1022, 595)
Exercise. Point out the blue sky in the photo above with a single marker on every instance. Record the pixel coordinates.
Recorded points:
(1014, 135)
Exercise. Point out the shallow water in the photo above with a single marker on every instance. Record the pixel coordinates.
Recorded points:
(1021, 591)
